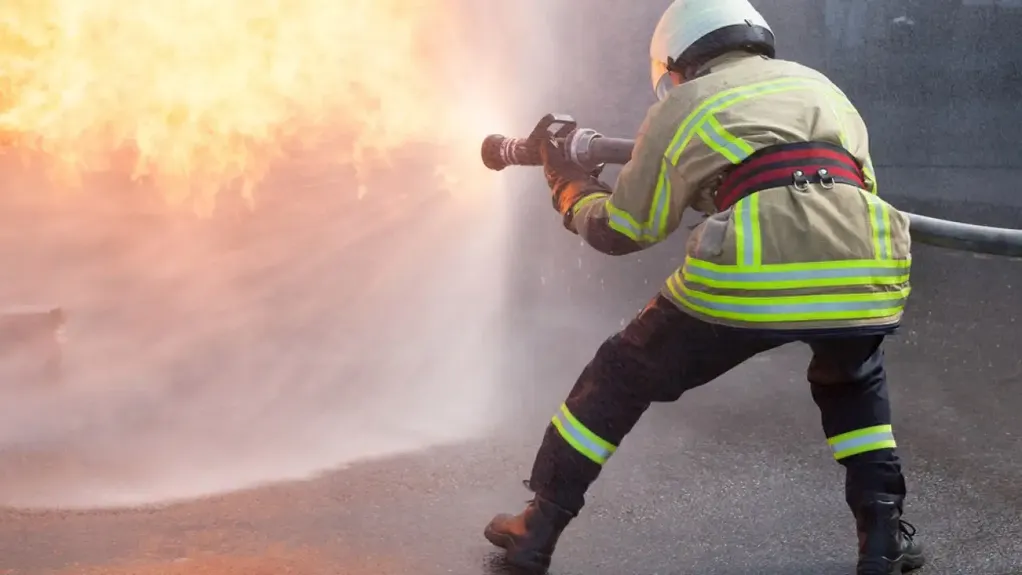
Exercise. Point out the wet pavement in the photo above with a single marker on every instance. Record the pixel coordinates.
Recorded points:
(733, 479)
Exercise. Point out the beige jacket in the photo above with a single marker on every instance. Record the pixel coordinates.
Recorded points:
(782, 258)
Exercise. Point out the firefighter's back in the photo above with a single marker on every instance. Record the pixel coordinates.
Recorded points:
(800, 239)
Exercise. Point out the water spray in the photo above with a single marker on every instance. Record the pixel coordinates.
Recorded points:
(589, 148)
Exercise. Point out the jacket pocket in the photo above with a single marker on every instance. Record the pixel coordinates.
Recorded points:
(707, 241)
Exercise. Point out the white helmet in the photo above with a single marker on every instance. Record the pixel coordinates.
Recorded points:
(692, 32)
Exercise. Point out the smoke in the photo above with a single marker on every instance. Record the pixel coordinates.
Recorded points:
(357, 312)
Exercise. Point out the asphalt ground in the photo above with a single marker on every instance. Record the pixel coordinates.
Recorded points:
(733, 479)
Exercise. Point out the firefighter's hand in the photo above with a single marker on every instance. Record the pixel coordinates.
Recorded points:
(568, 181)
(558, 168)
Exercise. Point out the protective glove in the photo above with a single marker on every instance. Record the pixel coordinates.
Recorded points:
(569, 182)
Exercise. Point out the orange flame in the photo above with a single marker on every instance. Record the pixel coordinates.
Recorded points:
(209, 93)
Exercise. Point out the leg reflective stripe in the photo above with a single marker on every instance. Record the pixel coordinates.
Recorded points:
(862, 440)
(747, 237)
(790, 308)
(880, 222)
(858, 273)
(580, 438)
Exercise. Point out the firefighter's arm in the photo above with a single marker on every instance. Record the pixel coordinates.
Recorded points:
(642, 209)
(855, 138)
(857, 143)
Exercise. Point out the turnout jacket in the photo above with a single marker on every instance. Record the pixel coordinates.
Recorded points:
(806, 254)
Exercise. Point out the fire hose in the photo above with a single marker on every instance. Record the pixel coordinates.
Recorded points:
(589, 149)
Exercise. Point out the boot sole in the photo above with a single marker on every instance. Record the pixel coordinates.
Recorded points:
(912, 562)
(523, 559)
(903, 564)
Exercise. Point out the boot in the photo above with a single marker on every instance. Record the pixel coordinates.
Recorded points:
(885, 539)
(529, 538)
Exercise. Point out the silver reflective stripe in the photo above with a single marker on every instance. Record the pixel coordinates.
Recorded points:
(624, 223)
(580, 440)
(743, 207)
(880, 228)
(663, 199)
(794, 308)
(721, 101)
(862, 441)
(734, 154)
(649, 231)
(779, 276)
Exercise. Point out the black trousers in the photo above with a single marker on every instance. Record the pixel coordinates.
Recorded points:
(665, 352)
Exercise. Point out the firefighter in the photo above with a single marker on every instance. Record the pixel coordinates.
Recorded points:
(796, 246)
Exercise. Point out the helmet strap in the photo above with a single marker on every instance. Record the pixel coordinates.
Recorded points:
(746, 37)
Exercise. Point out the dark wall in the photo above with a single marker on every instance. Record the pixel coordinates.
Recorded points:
(939, 83)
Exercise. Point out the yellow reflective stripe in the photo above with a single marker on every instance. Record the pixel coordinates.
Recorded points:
(722, 100)
(888, 237)
(840, 121)
(809, 266)
(790, 308)
(867, 170)
(878, 245)
(653, 229)
(580, 438)
(862, 440)
(721, 141)
(863, 273)
(661, 202)
(840, 96)
(842, 134)
(748, 241)
(622, 222)
(798, 301)
(586, 201)
(704, 113)
(880, 223)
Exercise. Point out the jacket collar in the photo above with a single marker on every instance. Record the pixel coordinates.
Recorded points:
(725, 61)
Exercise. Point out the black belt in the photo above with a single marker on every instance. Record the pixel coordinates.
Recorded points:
(782, 165)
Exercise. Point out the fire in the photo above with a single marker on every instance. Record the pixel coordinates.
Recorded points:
(205, 94)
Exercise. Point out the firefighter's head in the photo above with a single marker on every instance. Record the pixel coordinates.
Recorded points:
(693, 32)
